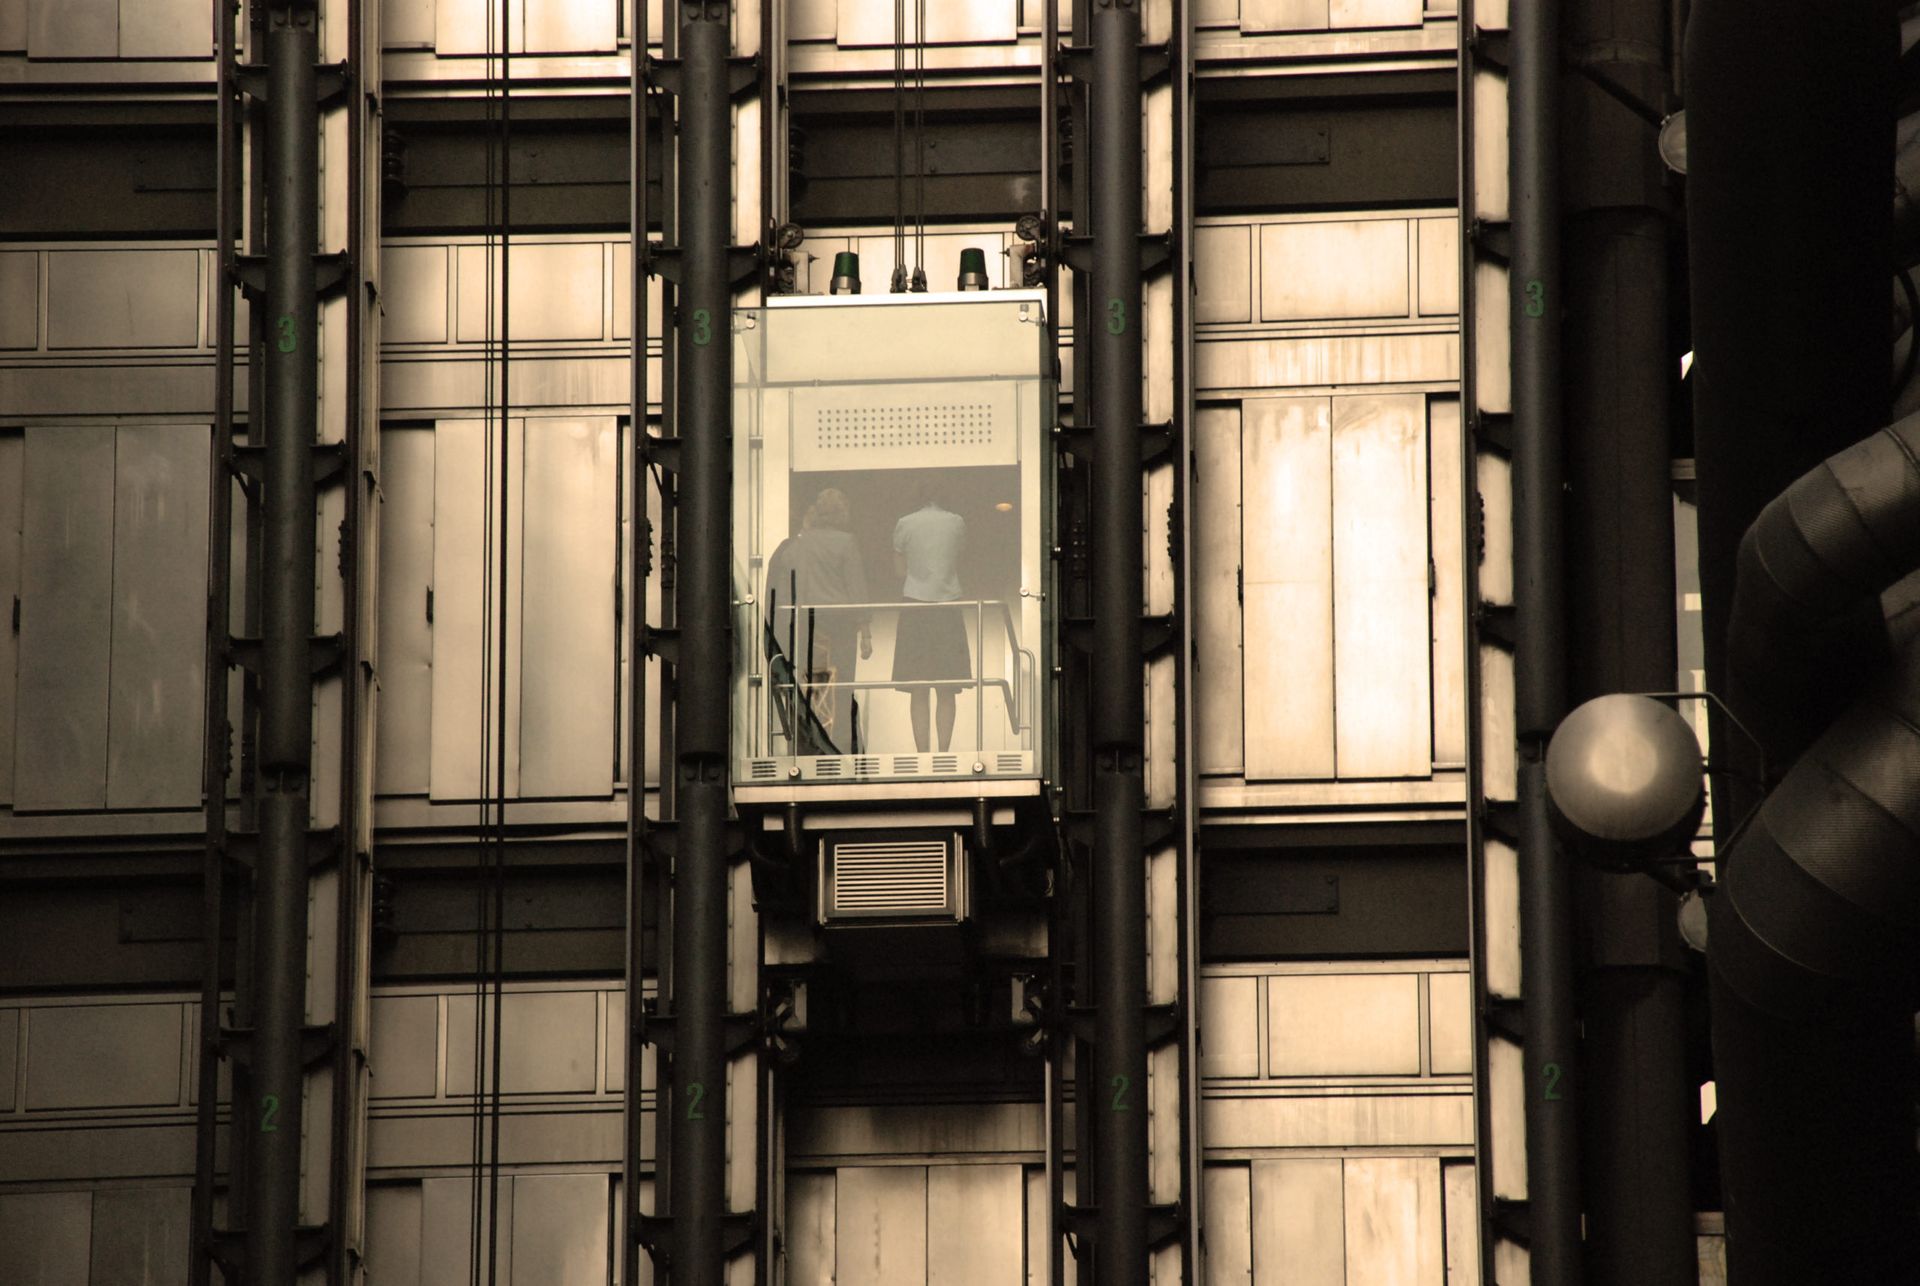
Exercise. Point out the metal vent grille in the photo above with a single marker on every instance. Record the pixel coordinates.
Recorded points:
(931, 424)
(866, 766)
(904, 764)
(891, 877)
(946, 763)
(765, 770)
(1010, 763)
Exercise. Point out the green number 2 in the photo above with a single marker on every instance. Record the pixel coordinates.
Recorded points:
(1551, 1074)
(1536, 305)
(702, 327)
(696, 1092)
(269, 1114)
(1116, 317)
(287, 340)
(1120, 1084)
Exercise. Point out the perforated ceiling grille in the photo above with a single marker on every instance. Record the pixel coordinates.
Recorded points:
(922, 424)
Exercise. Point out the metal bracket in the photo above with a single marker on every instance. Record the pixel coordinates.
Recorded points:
(316, 1045)
(1507, 1018)
(324, 653)
(331, 271)
(661, 641)
(1502, 820)
(743, 73)
(663, 839)
(1489, 47)
(664, 452)
(737, 1230)
(329, 462)
(743, 1031)
(1493, 238)
(330, 81)
(1157, 634)
(1156, 61)
(743, 263)
(1496, 622)
(323, 848)
(228, 1249)
(1156, 250)
(1156, 441)
(1513, 1220)
(1494, 429)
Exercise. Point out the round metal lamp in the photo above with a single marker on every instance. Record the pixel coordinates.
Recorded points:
(1625, 781)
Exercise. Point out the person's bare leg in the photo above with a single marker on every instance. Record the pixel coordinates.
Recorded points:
(918, 714)
(944, 713)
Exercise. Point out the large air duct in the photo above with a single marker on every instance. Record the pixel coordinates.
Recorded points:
(1790, 117)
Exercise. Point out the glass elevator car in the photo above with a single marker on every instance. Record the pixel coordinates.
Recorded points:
(893, 529)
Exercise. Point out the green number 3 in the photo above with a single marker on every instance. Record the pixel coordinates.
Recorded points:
(1536, 305)
(702, 327)
(287, 340)
(1116, 317)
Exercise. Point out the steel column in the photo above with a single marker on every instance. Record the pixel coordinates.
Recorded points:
(291, 180)
(697, 1175)
(1540, 666)
(1118, 1105)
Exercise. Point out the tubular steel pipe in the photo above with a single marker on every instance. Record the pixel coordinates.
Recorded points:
(1540, 666)
(1790, 122)
(1639, 1106)
(291, 180)
(704, 592)
(1119, 1105)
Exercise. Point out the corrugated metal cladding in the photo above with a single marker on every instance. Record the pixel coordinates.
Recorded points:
(1336, 1107)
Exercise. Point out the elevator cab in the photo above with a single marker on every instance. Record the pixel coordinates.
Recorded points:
(893, 698)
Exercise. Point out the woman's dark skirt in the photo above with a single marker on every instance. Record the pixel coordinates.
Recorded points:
(930, 647)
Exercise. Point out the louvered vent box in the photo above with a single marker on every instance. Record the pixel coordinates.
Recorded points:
(917, 876)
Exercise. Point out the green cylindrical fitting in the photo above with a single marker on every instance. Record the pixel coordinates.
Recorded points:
(846, 274)
(973, 269)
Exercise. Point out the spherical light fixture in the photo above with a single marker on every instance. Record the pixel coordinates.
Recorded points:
(1625, 781)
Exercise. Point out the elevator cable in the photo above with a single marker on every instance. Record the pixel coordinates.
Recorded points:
(899, 283)
(920, 147)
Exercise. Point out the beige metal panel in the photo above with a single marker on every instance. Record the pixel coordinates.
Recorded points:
(404, 1053)
(1513, 1264)
(1396, 1232)
(812, 19)
(19, 298)
(45, 1238)
(1500, 885)
(1348, 14)
(572, 26)
(1365, 1024)
(447, 1232)
(1286, 540)
(554, 291)
(473, 26)
(9, 1052)
(413, 297)
(1499, 770)
(123, 298)
(1216, 589)
(66, 579)
(156, 700)
(1344, 268)
(1227, 1210)
(549, 1040)
(1230, 1026)
(1438, 272)
(880, 1226)
(405, 648)
(742, 1088)
(1223, 273)
(13, 26)
(1460, 1192)
(12, 463)
(73, 28)
(392, 1240)
(103, 1056)
(1495, 482)
(1382, 692)
(165, 29)
(1490, 15)
(918, 1130)
(140, 1236)
(809, 1229)
(949, 22)
(1489, 143)
(1298, 1225)
(406, 23)
(1492, 353)
(567, 629)
(1450, 1023)
(1317, 361)
(1283, 15)
(465, 693)
(1448, 539)
(974, 1220)
(1507, 1103)
(560, 1230)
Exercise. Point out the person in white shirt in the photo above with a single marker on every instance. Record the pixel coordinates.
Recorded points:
(931, 661)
